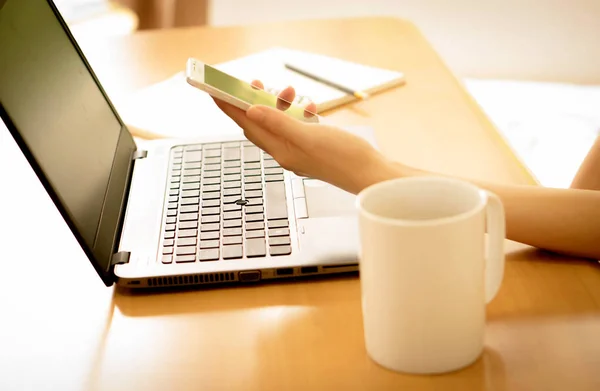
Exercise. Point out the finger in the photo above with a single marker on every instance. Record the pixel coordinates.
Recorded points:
(257, 84)
(285, 98)
(310, 110)
(279, 123)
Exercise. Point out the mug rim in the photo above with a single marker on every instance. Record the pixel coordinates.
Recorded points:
(483, 195)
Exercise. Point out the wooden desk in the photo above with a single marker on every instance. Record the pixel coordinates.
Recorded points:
(66, 331)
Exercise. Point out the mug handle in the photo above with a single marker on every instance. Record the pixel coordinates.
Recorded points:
(496, 229)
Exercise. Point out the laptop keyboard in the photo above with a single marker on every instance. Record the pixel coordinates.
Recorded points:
(225, 201)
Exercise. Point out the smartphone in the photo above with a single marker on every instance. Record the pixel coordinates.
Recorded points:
(227, 88)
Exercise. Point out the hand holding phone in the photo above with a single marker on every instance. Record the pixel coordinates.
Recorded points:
(238, 93)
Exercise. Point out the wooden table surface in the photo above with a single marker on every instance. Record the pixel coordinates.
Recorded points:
(62, 329)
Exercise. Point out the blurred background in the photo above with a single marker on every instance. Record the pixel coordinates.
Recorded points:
(534, 66)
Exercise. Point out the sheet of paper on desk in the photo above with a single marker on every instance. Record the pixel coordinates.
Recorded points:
(173, 108)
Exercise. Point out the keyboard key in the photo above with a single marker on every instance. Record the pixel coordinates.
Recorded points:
(251, 154)
(255, 234)
(231, 144)
(191, 179)
(256, 225)
(212, 181)
(209, 235)
(278, 224)
(171, 212)
(212, 160)
(232, 223)
(231, 199)
(173, 192)
(210, 219)
(167, 250)
(188, 217)
(231, 170)
(231, 192)
(211, 254)
(194, 172)
(274, 178)
(254, 209)
(186, 242)
(232, 185)
(175, 179)
(252, 166)
(212, 174)
(190, 193)
(185, 259)
(212, 146)
(176, 173)
(255, 247)
(255, 201)
(227, 240)
(191, 186)
(255, 217)
(231, 177)
(213, 195)
(279, 232)
(167, 259)
(210, 211)
(209, 244)
(173, 199)
(170, 227)
(190, 201)
(169, 235)
(232, 252)
(192, 166)
(279, 240)
(231, 207)
(280, 250)
(266, 156)
(252, 172)
(208, 188)
(253, 193)
(187, 233)
(177, 160)
(270, 164)
(192, 156)
(188, 208)
(210, 227)
(194, 147)
(211, 203)
(174, 185)
(253, 186)
(232, 154)
(274, 170)
(234, 163)
(232, 232)
(188, 225)
(252, 179)
(275, 197)
(212, 153)
(171, 220)
(187, 250)
(212, 167)
(247, 143)
(232, 215)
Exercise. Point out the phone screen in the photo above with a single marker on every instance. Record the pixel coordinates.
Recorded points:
(245, 92)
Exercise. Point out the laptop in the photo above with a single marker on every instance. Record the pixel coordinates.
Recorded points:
(212, 210)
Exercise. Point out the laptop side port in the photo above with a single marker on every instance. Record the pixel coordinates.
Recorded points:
(249, 276)
(309, 269)
(285, 271)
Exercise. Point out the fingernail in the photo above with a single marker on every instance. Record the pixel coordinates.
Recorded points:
(255, 113)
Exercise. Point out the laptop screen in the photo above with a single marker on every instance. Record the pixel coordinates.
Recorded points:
(62, 120)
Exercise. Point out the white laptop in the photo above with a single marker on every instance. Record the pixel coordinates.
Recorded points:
(207, 211)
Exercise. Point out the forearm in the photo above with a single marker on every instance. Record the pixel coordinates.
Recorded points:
(565, 221)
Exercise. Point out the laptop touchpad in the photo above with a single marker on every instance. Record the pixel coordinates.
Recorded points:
(325, 200)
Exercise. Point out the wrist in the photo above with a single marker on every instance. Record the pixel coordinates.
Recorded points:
(381, 169)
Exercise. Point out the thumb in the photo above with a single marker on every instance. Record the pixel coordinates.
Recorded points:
(275, 121)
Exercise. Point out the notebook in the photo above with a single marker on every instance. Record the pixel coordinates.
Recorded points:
(268, 66)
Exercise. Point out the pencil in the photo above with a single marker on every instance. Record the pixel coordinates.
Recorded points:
(349, 91)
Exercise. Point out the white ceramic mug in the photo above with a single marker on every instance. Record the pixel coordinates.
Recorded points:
(425, 277)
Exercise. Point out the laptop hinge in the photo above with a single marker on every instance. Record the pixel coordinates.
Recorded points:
(120, 258)
(139, 154)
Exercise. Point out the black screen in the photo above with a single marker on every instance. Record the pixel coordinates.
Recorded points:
(64, 121)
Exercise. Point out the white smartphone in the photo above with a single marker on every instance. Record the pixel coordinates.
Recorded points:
(237, 92)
